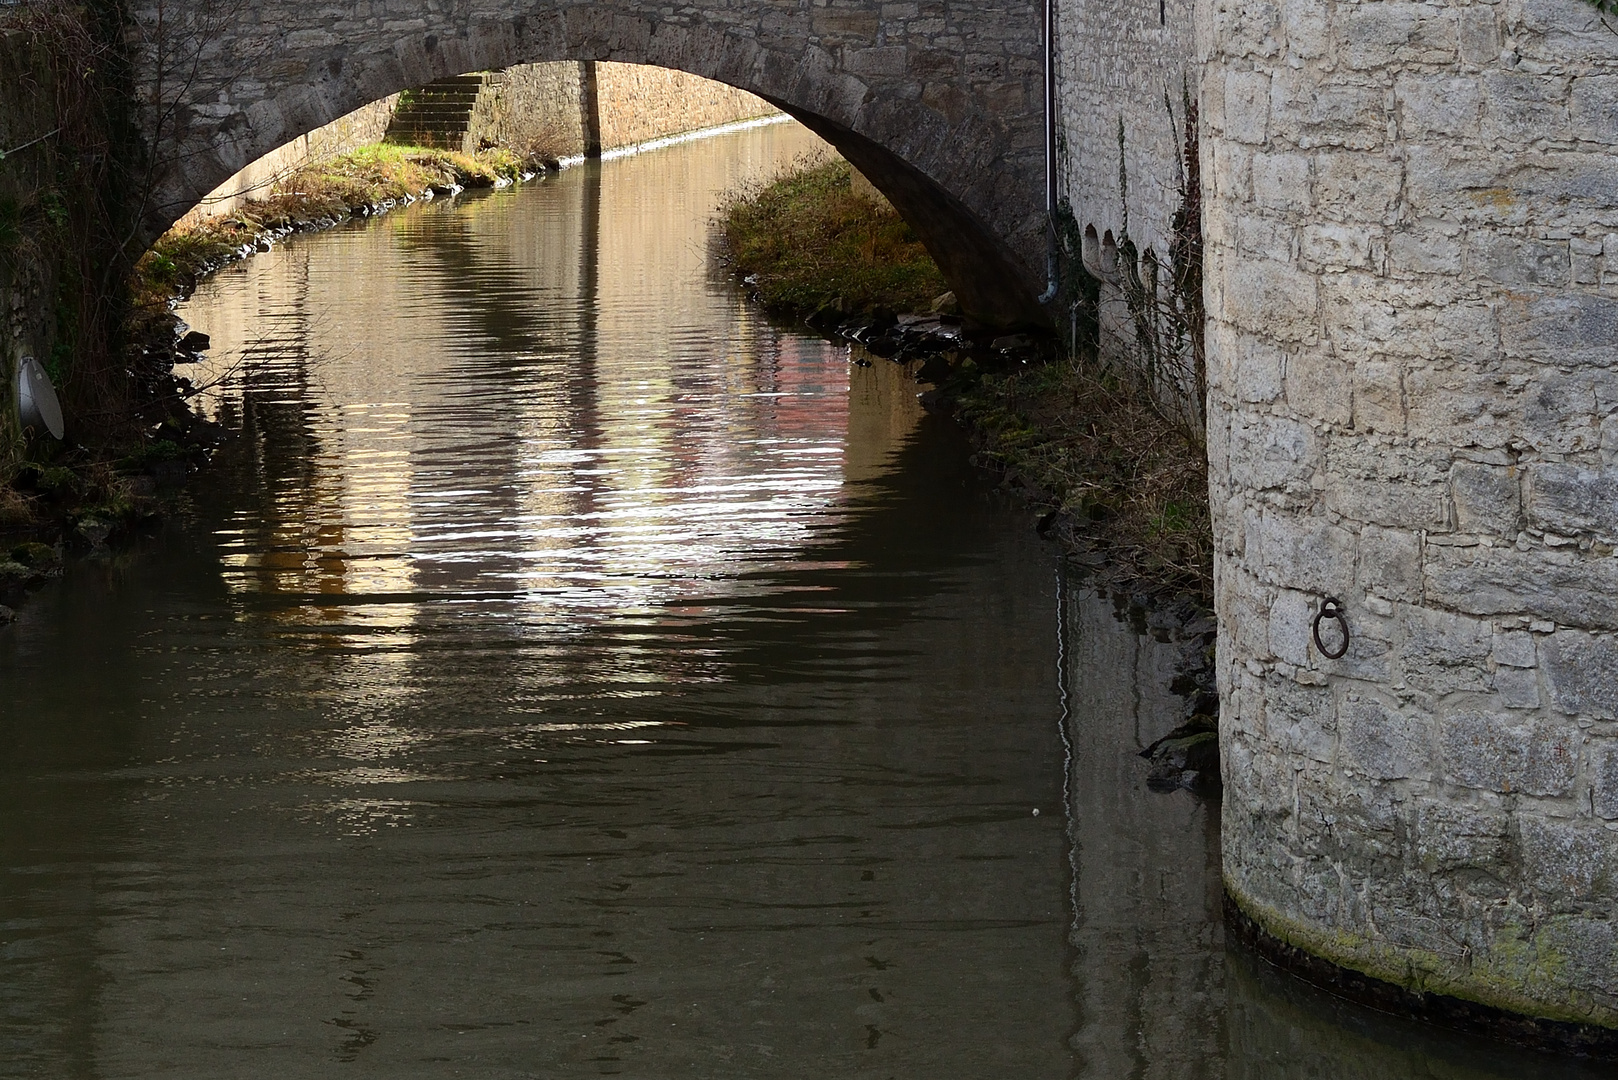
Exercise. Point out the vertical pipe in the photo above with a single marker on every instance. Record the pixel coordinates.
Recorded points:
(1051, 268)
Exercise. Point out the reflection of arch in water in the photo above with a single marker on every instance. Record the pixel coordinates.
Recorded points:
(961, 160)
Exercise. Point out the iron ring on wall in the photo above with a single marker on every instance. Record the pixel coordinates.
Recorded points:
(1331, 608)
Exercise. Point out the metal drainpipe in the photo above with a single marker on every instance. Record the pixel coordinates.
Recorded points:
(1051, 269)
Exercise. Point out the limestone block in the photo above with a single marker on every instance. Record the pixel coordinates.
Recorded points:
(1390, 563)
(1479, 35)
(1457, 836)
(1259, 373)
(1536, 757)
(1281, 182)
(1561, 585)
(1382, 743)
(1444, 652)
(1586, 951)
(1268, 297)
(1448, 108)
(1307, 27)
(1517, 688)
(1604, 779)
(1379, 405)
(1567, 858)
(1511, 260)
(1457, 407)
(1593, 105)
(1572, 500)
(1265, 237)
(1319, 386)
(1523, 109)
(1581, 672)
(1305, 720)
(1271, 451)
(1427, 248)
(1246, 29)
(1393, 503)
(1357, 187)
(1487, 498)
(1335, 247)
(1374, 35)
(1307, 554)
(1309, 115)
(1587, 257)
(1559, 409)
(1514, 648)
(1247, 106)
(1291, 613)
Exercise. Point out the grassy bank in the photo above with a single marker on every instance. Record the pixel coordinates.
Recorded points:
(331, 190)
(809, 241)
(1128, 484)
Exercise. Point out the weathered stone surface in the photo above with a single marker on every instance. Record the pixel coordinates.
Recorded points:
(1382, 743)
(1539, 757)
(1604, 779)
(1567, 858)
(1456, 836)
(1581, 671)
(1572, 500)
(1559, 584)
(1446, 297)
(1487, 498)
(1444, 652)
(1390, 563)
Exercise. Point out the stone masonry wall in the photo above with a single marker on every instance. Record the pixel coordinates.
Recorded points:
(532, 109)
(540, 108)
(640, 103)
(1412, 279)
(1128, 62)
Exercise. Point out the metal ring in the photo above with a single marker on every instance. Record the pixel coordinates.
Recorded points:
(1331, 608)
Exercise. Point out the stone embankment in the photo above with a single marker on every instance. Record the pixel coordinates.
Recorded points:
(538, 112)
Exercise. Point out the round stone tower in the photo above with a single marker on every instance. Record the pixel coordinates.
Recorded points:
(1412, 277)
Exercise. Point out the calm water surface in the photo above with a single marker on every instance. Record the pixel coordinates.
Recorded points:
(565, 673)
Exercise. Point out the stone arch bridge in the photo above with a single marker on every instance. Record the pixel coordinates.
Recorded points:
(939, 102)
(1410, 218)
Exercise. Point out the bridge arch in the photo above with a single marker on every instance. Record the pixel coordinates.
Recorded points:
(954, 143)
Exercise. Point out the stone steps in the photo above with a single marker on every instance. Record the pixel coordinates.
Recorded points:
(438, 114)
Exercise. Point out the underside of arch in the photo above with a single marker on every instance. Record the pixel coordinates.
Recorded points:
(959, 179)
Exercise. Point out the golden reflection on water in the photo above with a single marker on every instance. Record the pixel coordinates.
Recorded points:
(549, 401)
(551, 410)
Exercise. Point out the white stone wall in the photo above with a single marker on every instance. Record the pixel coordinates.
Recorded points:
(1129, 64)
(1124, 60)
(1412, 230)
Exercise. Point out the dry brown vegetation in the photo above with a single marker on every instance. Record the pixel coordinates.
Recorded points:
(1128, 483)
(808, 240)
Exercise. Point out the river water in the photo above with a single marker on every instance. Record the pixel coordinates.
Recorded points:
(565, 673)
